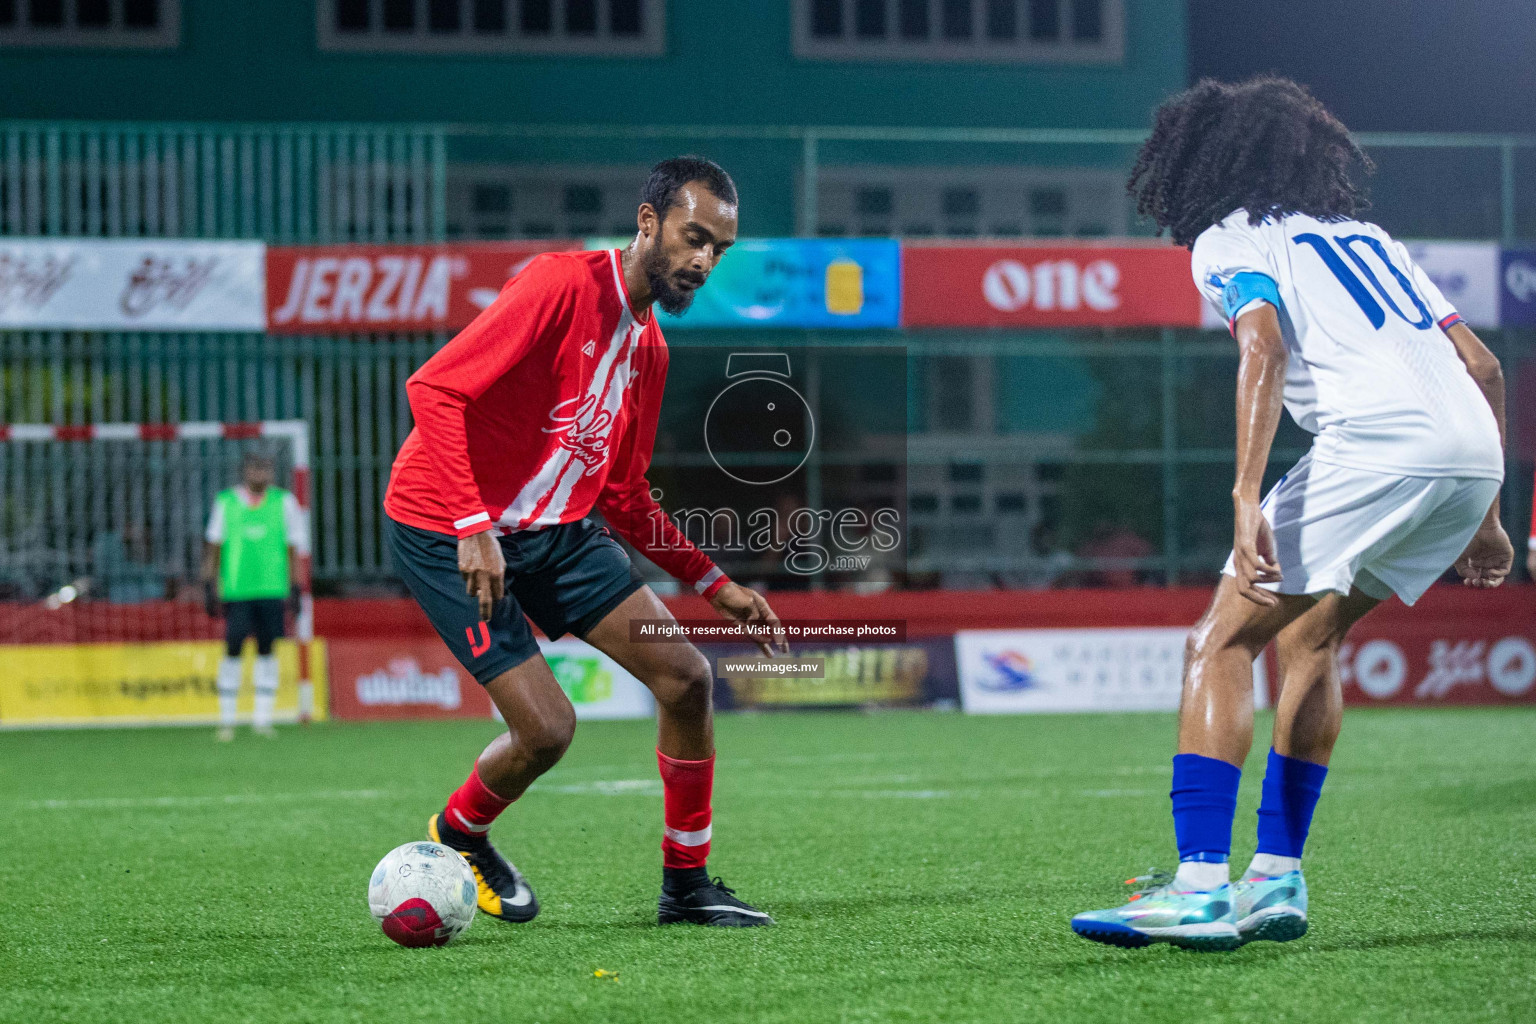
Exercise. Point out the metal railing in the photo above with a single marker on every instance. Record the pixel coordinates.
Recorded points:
(283, 183)
(329, 183)
(360, 182)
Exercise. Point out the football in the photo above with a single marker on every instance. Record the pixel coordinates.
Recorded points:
(422, 894)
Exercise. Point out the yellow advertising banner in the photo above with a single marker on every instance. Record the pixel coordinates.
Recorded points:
(139, 684)
(851, 675)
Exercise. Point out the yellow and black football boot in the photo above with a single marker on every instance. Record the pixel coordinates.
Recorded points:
(503, 891)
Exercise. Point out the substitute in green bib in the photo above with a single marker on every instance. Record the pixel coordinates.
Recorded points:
(256, 539)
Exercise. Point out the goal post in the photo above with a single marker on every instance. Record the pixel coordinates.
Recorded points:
(101, 540)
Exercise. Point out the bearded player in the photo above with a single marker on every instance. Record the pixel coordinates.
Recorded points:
(1335, 322)
(540, 411)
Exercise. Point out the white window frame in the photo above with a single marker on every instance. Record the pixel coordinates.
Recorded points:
(422, 40)
(1108, 49)
(923, 185)
(619, 183)
(113, 37)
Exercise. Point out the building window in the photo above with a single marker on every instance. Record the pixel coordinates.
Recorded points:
(1029, 31)
(144, 24)
(543, 201)
(963, 202)
(602, 27)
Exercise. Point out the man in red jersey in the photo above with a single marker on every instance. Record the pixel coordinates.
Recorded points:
(542, 409)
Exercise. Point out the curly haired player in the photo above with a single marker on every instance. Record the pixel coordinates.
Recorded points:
(1334, 322)
(541, 410)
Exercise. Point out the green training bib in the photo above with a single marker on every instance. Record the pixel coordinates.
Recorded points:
(253, 561)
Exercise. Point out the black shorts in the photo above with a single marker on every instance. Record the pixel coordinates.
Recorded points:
(565, 578)
(262, 618)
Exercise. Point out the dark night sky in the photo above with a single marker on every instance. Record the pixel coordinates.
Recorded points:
(1382, 65)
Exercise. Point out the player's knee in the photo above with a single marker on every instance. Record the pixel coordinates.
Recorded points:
(1199, 645)
(686, 689)
(547, 737)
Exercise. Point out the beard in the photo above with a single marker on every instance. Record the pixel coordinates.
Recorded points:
(668, 295)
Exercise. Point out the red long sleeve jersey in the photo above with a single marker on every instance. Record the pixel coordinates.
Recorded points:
(542, 409)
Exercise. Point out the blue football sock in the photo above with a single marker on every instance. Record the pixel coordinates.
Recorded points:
(1291, 789)
(1204, 803)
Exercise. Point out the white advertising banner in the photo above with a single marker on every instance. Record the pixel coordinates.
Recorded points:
(145, 284)
(1467, 273)
(598, 686)
(1011, 671)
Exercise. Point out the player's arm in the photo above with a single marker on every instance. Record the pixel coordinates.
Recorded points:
(536, 301)
(1260, 395)
(627, 504)
(1489, 556)
(296, 526)
(213, 542)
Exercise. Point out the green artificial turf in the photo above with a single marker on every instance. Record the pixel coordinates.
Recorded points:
(922, 868)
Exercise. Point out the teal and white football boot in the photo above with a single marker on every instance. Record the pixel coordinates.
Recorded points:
(1272, 909)
(1201, 921)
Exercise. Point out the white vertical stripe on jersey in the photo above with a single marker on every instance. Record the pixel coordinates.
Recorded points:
(519, 514)
(611, 402)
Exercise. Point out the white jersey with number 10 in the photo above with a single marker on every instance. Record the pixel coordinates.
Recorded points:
(1371, 371)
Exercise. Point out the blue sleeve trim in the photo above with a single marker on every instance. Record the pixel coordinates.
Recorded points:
(1245, 288)
(1447, 322)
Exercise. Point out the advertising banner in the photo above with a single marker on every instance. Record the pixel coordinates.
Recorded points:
(851, 676)
(1451, 659)
(320, 289)
(138, 684)
(800, 282)
(1080, 285)
(1517, 287)
(132, 285)
(1008, 671)
(1467, 274)
(412, 678)
(596, 684)
(402, 678)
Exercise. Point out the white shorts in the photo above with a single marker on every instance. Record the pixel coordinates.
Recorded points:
(1337, 528)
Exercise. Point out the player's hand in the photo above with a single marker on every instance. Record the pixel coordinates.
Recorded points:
(484, 570)
(742, 604)
(1253, 554)
(1487, 559)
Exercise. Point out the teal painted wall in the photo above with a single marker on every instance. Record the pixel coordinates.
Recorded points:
(727, 62)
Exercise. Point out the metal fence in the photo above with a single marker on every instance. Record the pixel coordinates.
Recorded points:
(283, 183)
(1149, 456)
(368, 182)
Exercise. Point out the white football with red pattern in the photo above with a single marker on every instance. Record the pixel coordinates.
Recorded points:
(422, 894)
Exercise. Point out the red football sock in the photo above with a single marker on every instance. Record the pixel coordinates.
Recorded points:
(473, 807)
(686, 788)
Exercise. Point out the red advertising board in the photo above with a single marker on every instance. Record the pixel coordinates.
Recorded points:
(401, 678)
(1456, 646)
(1080, 285)
(319, 289)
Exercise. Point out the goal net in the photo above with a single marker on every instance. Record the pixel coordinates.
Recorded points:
(102, 617)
